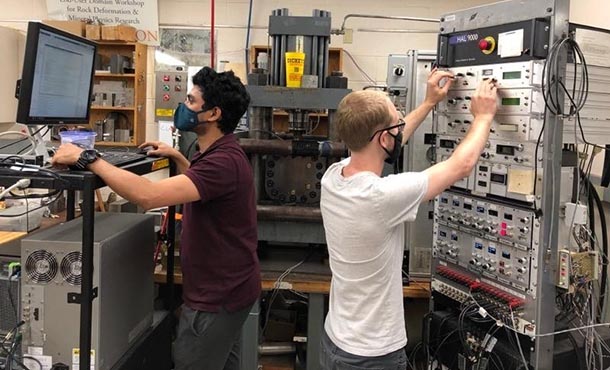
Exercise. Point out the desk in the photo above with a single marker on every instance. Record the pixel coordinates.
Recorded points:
(316, 286)
(9, 236)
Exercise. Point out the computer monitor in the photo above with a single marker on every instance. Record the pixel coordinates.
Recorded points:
(57, 78)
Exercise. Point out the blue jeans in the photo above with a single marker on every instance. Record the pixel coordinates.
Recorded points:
(334, 358)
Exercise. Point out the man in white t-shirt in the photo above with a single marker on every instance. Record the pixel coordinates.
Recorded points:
(364, 217)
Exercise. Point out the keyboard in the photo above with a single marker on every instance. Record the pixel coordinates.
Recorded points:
(121, 158)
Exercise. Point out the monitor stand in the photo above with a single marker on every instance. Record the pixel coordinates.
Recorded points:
(41, 148)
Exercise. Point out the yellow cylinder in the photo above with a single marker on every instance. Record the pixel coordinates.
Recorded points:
(295, 64)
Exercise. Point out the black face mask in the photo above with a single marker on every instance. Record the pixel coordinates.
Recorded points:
(393, 156)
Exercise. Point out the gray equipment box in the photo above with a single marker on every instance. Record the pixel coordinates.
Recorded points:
(122, 273)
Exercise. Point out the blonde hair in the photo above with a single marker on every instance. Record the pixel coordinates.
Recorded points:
(359, 114)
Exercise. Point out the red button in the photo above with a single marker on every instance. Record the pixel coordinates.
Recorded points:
(503, 232)
(484, 45)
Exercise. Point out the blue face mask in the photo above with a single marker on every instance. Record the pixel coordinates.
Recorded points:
(185, 119)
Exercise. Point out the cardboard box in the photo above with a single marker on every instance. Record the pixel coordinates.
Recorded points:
(93, 31)
(74, 27)
(119, 32)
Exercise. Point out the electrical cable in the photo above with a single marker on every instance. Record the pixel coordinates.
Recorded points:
(276, 288)
(37, 361)
(25, 137)
(248, 27)
(369, 78)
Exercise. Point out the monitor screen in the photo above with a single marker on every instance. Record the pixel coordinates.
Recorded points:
(57, 77)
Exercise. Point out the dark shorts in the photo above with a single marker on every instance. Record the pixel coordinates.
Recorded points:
(334, 358)
(209, 340)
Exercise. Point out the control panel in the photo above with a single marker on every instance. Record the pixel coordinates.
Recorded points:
(518, 41)
(512, 101)
(508, 127)
(506, 168)
(170, 89)
(490, 239)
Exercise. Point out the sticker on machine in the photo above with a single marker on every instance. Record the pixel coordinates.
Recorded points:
(76, 359)
(32, 361)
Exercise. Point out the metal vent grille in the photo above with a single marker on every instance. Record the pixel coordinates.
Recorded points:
(71, 267)
(41, 266)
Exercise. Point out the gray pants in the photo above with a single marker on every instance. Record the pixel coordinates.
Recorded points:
(334, 358)
(209, 340)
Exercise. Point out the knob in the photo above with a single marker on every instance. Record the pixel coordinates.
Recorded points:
(484, 45)
(486, 266)
(521, 260)
(487, 45)
(473, 261)
(519, 147)
(521, 270)
(524, 230)
(525, 220)
(452, 101)
(399, 71)
(485, 155)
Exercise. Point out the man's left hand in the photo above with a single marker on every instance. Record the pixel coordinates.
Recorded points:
(67, 154)
(435, 92)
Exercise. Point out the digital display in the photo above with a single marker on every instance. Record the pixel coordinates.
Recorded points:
(508, 216)
(478, 245)
(511, 101)
(505, 149)
(480, 209)
(491, 250)
(488, 72)
(497, 178)
(506, 254)
(456, 202)
(444, 200)
(442, 233)
(493, 213)
(511, 75)
(447, 144)
(483, 168)
(454, 237)
(467, 206)
(482, 183)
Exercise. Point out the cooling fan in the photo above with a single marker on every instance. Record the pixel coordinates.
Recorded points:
(41, 266)
(71, 267)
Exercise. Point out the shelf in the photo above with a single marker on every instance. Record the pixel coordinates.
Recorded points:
(115, 75)
(112, 108)
(134, 83)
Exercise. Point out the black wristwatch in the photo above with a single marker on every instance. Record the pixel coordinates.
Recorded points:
(86, 157)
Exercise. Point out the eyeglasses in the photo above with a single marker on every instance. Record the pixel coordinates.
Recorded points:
(400, 125)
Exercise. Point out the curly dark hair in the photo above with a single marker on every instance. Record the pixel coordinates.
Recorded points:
(223, 90)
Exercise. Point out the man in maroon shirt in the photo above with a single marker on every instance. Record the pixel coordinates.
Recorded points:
(221, 276)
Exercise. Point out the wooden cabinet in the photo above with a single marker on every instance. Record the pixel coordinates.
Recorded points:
(119, 93)
(335, 57)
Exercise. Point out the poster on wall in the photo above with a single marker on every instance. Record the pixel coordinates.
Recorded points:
(190, 46)
(141, 14)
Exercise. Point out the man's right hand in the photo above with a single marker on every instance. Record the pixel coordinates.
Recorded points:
(484, 102)
(160, 149)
